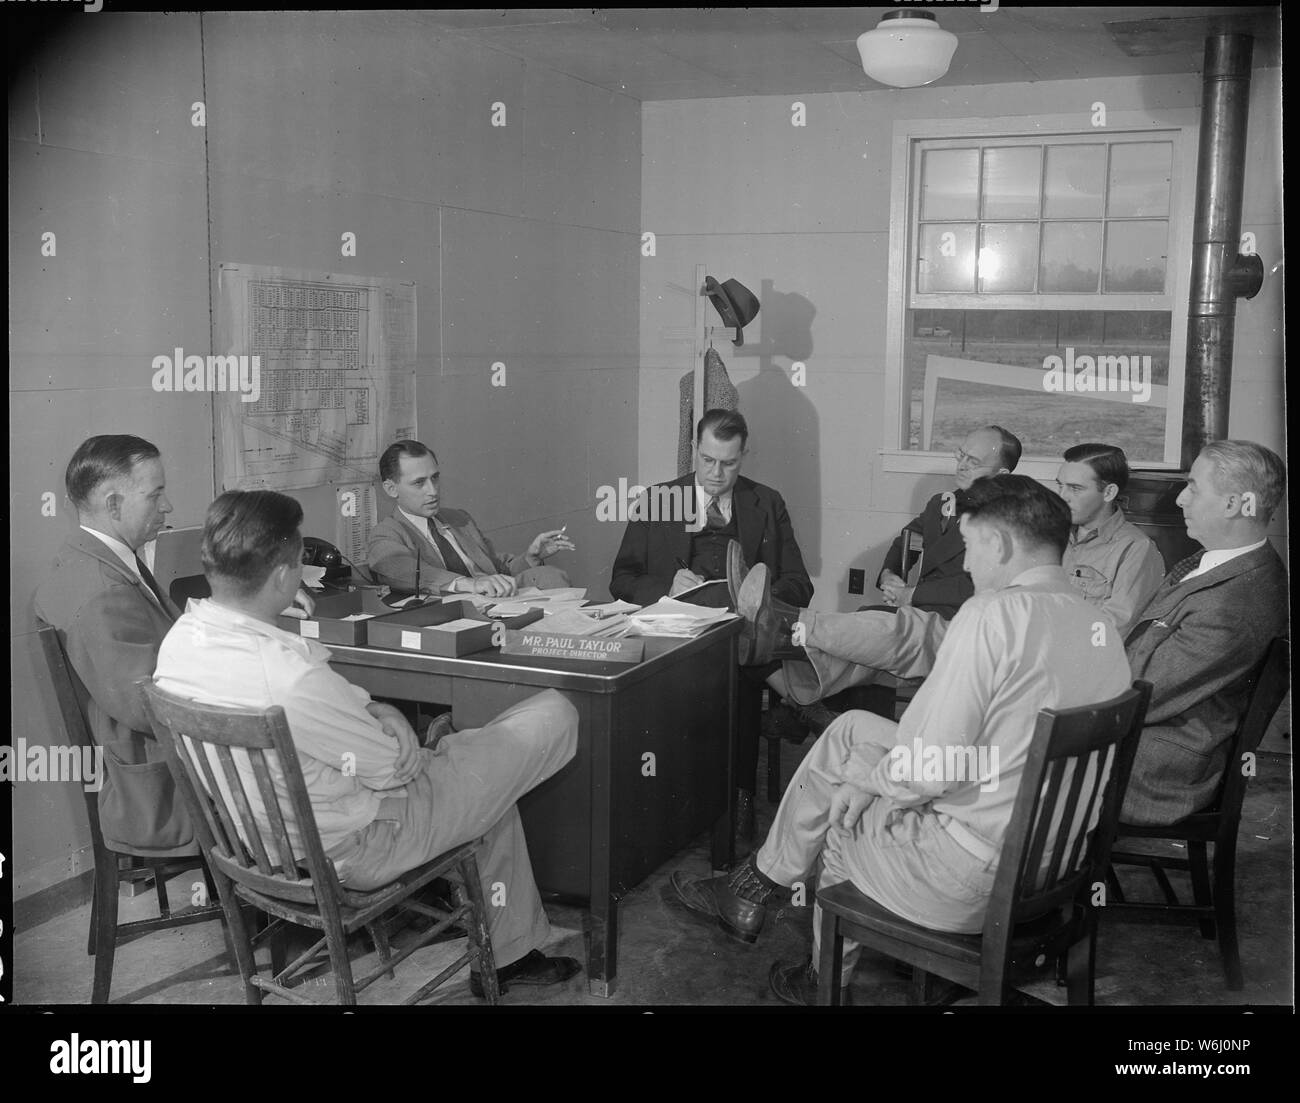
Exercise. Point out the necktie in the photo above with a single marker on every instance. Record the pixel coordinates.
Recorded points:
(1183, 568)
(152, 583)
(713, 515)
(450, 559)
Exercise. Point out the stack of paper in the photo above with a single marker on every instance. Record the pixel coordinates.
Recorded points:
(668, 617)
(576, 622)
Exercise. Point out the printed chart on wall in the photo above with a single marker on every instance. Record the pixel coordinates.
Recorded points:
(335, 370)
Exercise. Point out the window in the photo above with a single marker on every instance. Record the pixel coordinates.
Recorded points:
(1038, 286)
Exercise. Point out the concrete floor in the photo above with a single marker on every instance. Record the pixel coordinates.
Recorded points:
(667, 958)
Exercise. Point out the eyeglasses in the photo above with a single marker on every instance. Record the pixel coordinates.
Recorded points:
(965, 459)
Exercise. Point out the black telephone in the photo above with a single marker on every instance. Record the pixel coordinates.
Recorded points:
(321, 553)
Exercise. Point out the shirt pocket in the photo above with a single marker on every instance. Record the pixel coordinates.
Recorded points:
(1091, 583)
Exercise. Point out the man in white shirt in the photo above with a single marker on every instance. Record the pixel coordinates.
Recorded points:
(866, 801)
(382, 803)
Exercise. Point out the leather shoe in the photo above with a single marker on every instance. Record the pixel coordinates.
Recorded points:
(736, 571)
(534, 969)
(797, 984)
(736, 901)
(439, 727)
(768, 622)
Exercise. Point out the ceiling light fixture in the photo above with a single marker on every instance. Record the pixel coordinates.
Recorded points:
(906, 49)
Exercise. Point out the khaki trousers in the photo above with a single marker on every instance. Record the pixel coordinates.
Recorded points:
(467, 789)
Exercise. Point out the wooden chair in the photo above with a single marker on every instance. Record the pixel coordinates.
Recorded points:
(299, 886)
(114, 867)
(1041, 913)
(1214, 901)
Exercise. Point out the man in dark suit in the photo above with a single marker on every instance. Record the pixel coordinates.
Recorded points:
(1205, 630)
(664, 556)
(720, 514)
(943, 583)
(451, 552)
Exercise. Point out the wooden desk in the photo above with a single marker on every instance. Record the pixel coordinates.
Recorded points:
(614, 814)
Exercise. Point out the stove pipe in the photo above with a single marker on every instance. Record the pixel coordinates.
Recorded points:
(1220, 274)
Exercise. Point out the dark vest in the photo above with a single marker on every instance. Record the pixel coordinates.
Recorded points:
(709, 549)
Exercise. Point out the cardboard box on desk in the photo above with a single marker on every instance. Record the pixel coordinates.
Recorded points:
(328, 622)
(429, 629)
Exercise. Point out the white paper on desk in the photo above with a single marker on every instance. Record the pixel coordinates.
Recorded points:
(313, 577)
(609, 608)
(454, 625)
(671, 607)
(701, 586)
(358, 616)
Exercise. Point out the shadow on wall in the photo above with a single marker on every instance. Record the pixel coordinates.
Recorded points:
(783, 421)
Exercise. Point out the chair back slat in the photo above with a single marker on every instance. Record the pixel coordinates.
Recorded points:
(234, 848)
(266, 861)
(223, 837)
(286, 863)
(1270, 682)
(235, 787)
(1095, 745)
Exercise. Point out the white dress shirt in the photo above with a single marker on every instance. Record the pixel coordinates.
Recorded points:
(127, 556)
(422, 526)
(703, 498)
(1217, 558)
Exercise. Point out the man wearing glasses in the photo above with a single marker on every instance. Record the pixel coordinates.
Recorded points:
(839, 650)
(943, 585)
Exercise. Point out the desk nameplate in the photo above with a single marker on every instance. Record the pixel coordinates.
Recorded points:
(595, 649)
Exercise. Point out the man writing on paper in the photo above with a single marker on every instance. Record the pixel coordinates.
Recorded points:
(453, 555)
(664, 556)
(731, 522)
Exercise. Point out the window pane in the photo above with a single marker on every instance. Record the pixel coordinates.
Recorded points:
(1139, 179)
(1008, 256)
(1135, 256)
(1071, 257)
(949, 183)
(947, 258)
(1011, 182)
(1073, 181)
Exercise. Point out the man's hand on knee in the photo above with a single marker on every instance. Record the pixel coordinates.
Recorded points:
(848, 802)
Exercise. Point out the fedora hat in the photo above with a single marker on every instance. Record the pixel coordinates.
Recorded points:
(735, 303)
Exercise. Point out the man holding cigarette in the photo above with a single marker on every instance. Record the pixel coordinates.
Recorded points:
(443, 547)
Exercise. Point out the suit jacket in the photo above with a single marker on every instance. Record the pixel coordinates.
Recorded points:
(1197, 642)
(647, 559)
(111, 629)
(943, 584)
(395, 543)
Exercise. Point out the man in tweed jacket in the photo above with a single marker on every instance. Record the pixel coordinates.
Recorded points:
(1205, 631)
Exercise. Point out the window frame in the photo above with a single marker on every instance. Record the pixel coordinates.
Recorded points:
(1181, 125)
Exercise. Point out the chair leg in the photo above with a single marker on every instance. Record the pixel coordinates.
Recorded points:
(1225, 910)
(1201, 891)
(830, 961)
(1113, 885)
(237, 939)
(94, 913)
(1081, 965)
(479, 936)
(774, 771)
(160, 886)
(920, 994)
(337, 946)
(379, 936)
(104, 931)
